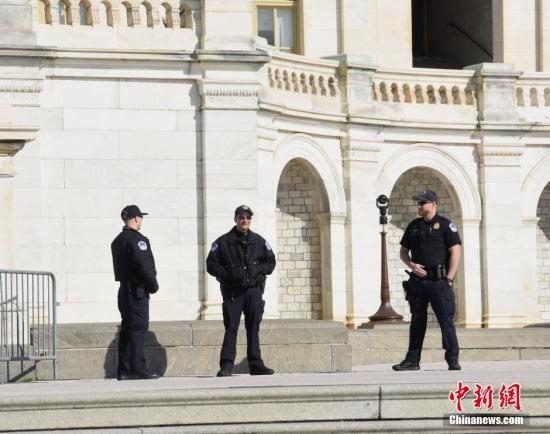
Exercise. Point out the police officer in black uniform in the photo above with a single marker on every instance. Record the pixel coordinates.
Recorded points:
(434, 244)
(240, 260)
(134, 268)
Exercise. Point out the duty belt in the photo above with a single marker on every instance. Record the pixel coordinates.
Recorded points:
(435, 272)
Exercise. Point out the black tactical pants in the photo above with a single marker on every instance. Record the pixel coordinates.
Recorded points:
(133, 328)
(442, 299)
(251, 303)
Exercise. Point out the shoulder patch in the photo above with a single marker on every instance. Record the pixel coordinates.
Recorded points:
(214, 247)
(142, 245)
(453, 227)
(267, 246)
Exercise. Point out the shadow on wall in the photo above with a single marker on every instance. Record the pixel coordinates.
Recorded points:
(155, 355)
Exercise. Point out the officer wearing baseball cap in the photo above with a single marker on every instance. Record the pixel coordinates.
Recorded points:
(134, 267)
(240, 260)
(430, 247)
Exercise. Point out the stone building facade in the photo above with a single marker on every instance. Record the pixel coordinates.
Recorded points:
(306, 110)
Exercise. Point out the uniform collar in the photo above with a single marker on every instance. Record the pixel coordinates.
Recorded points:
(429, 222)
(128, 228)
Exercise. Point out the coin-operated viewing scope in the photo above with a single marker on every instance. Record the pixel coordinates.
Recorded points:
(382, 203)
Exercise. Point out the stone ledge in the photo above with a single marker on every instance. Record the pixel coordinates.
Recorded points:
(388, 407)
(88, 351)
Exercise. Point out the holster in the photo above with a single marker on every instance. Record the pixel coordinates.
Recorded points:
(407, 285)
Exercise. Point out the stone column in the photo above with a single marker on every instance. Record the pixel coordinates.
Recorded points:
(470, 295)
(227, 25)
(360, 150)
(266, 209)
(333, 266)
(515, 33)
(530, 268)
(499, 151)
(360, 157)
(230, 89)
(7, 150)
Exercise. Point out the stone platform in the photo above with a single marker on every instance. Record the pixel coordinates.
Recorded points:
(389, 344)
(87, 351)
(371, 399)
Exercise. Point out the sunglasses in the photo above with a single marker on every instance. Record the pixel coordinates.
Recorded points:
(244, 217)
(424, 202)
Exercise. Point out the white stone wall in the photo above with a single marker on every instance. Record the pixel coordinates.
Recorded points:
(403, 210)
(543, 255)
(106, 143)
(298, 243)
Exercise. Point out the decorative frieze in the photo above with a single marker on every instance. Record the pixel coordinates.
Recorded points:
(230, 96)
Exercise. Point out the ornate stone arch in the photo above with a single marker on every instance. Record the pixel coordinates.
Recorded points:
(304, 147)
(431, 156)
(533, 185)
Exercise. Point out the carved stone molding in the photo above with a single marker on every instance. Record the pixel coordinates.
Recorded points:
(20, 90)
(358, 150)
(230, 96)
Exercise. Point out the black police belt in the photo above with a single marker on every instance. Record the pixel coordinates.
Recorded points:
(435, 272)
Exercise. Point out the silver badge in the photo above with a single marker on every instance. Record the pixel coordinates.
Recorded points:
(142, 245)
(453, 227)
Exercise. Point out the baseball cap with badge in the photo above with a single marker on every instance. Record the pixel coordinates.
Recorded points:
(243, 209)
(426, 196)
(131, 211)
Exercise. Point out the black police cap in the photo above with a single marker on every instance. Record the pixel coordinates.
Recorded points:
(241, 209)
(131, 211)
(426, 196)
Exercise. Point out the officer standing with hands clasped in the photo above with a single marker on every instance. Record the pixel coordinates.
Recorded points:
(134, 268)
(435, 249)
(240, 260)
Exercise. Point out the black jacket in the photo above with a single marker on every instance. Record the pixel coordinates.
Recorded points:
(240, 262)
(133, 261)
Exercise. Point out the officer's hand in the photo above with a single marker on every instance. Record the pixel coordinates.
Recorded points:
(418, 270)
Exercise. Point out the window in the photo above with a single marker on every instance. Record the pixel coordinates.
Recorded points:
(276, 21)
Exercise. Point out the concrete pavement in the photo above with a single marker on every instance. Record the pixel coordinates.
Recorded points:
(371, 398)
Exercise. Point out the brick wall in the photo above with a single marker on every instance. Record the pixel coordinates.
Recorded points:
(299, 246)
(402, 210)
(543, 254)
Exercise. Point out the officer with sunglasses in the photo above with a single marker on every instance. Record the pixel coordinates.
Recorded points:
(431, 248)
(240, 260)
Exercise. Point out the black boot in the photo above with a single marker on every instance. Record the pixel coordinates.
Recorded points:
(454, 365)
(405, 365)
(261, 370)
(225, 371)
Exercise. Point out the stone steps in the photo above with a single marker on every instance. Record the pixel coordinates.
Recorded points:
(378, 400)
(389, 344)
(87, 351)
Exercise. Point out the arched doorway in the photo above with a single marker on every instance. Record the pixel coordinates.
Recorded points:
(301, 201)
(543, 255)
(402, 210)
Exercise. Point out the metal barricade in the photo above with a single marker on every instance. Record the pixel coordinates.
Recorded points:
(27, 317)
